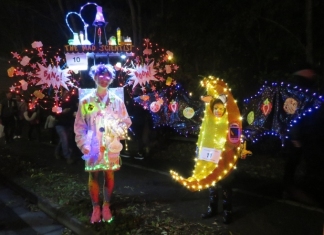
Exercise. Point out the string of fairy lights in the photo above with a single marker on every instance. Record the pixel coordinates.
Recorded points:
(214, 133)
(25, 71)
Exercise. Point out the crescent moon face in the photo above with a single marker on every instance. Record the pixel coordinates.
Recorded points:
(218, 141)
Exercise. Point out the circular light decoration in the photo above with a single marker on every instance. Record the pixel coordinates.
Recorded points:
(218, 141)
(188, 112)
(155, 107)
(290, 106)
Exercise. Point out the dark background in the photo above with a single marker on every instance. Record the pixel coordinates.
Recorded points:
(244, 42)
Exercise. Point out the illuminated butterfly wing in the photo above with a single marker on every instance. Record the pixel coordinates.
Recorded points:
(276, 108)
(174, 108)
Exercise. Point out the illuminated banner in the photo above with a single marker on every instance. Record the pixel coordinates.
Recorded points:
(99, 48)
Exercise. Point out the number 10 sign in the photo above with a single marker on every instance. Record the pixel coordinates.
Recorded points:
(77, 61)
(209, 154)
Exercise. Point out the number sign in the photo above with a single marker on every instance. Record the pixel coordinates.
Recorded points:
(77, 61)
(209, 154)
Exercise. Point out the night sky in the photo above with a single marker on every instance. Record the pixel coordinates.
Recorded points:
(243, 42)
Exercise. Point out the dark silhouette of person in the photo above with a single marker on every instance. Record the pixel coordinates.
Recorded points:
(295, 144)
(8, 116)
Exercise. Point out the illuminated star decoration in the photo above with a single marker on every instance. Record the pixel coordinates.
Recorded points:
(15, 55)
(52, 76)
(142, 74)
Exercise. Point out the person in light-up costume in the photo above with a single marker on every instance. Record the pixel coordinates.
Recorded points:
(216, 122)
(101, 122)
(219, 117)
(219, 146)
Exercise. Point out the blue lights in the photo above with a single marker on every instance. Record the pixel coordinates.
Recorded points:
(288, 103)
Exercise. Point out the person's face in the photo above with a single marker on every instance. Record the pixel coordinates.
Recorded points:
(103, 80)
(219, 110)
(9, 95)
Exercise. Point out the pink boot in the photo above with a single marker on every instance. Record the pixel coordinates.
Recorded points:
(96, 215)
(106, 213)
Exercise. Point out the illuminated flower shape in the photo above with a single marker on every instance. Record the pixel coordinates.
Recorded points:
(39, 94)
(57, 109)
(24, 84)
(11, 72)
(37, 44)
(25, 60)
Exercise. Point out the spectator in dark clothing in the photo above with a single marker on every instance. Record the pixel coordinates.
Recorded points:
(22, 108)
(64, 128)
(295, 145)
(50, 126)
(139, 126)
(8, 115)
(32, 116)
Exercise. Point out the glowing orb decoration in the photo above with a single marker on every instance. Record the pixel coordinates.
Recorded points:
(290, 105)
(155, 106)
(188, 112)
(218, 141)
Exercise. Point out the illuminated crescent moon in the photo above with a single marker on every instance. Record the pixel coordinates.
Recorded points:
(218, 139)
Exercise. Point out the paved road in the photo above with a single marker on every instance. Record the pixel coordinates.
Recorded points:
(17, 219)
(256, 212)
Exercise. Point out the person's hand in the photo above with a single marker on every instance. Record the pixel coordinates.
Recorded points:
(206, 98)
(245, 153)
